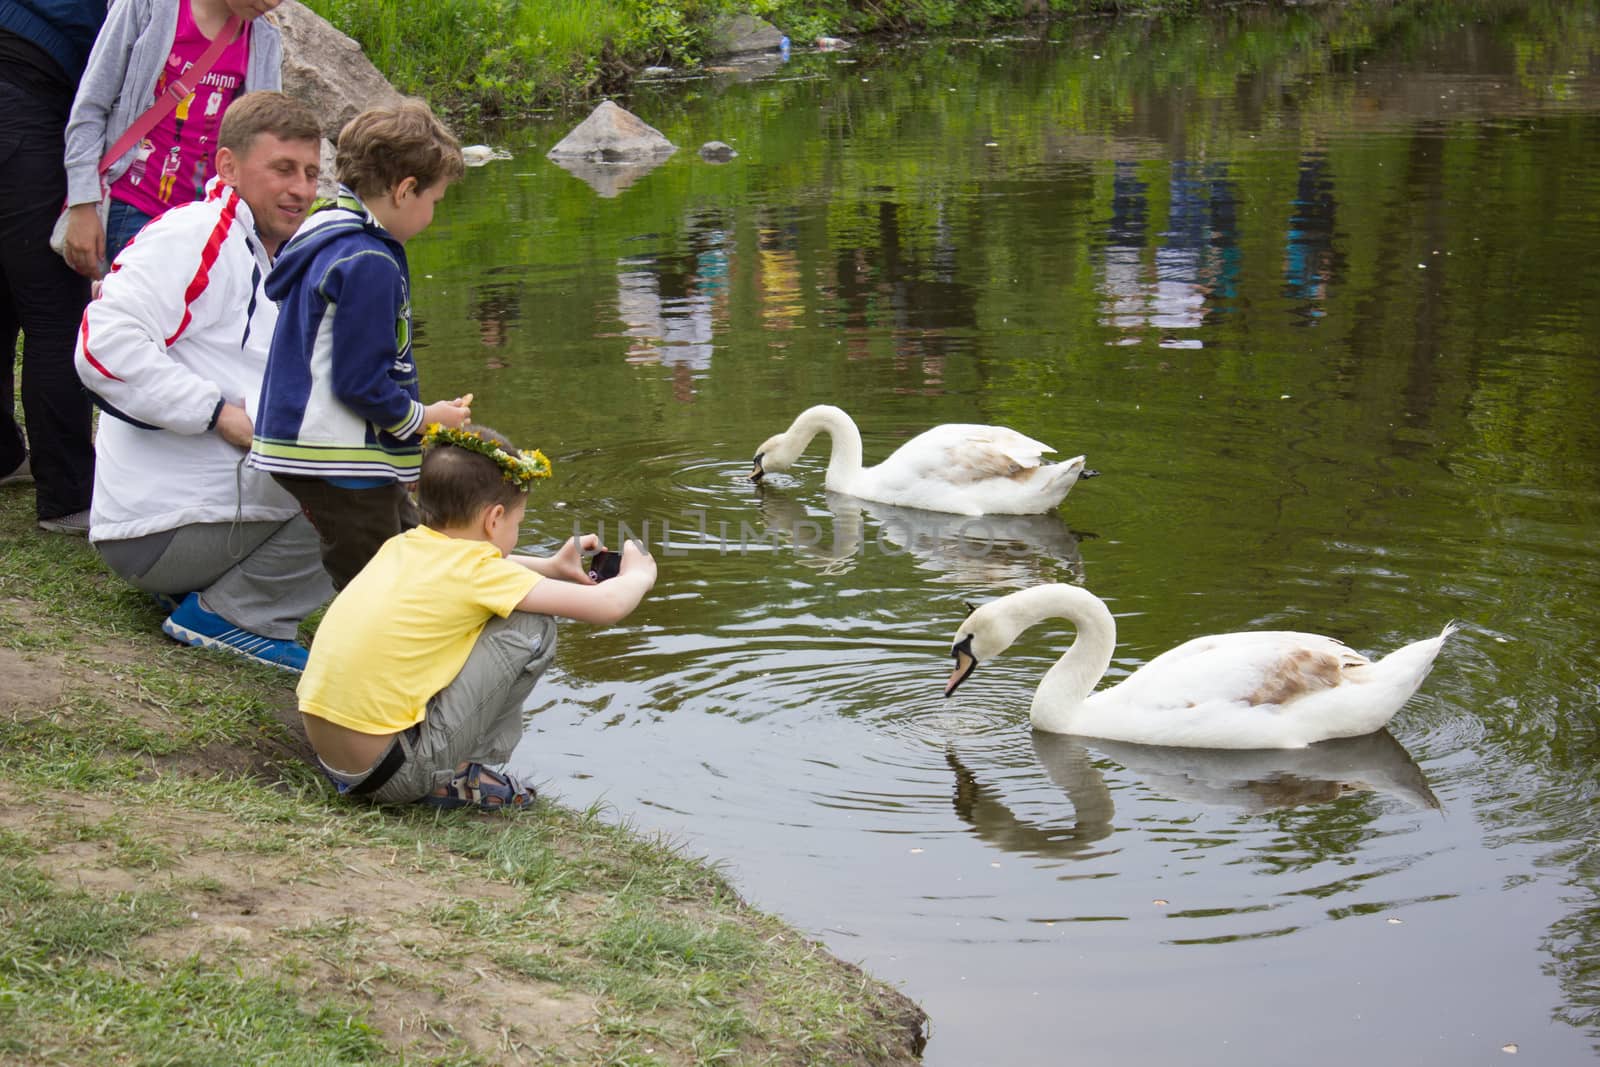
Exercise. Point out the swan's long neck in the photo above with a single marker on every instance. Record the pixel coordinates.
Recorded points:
(1068, 684)
(844, 462)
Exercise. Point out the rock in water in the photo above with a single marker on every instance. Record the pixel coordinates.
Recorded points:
(612, 134)
(717, 152)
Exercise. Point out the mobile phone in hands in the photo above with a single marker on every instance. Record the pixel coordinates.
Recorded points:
(605, 564)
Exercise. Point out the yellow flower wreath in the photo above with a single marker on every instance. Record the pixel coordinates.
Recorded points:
(520, 469)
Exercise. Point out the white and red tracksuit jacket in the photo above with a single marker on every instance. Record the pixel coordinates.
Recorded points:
(181, 325)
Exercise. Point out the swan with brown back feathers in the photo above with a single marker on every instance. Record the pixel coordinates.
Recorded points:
(1264, 689)
(958, 468)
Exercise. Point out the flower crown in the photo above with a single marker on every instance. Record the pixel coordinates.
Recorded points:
(520, 469)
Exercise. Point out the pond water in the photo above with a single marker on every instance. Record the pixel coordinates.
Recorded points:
(1316, 292)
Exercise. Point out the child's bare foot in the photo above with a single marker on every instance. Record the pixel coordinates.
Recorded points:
(476, 785)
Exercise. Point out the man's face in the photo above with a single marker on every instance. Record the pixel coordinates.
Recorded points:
(278, 179)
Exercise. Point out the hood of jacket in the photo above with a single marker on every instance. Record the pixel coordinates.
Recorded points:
(330, 219)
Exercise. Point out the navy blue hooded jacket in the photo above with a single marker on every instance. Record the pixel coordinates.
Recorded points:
(340, 397)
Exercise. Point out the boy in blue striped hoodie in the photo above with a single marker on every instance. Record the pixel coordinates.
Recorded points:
(340, 419)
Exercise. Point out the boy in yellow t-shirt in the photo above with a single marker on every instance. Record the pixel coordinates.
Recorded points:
(420, 668)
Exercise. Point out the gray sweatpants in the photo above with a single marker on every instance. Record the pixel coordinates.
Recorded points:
(264, 577)
(477, 718)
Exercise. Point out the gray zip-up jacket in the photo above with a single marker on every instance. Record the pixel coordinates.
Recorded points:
(119, 83)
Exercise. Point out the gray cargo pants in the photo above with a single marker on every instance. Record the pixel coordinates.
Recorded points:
(477, 718)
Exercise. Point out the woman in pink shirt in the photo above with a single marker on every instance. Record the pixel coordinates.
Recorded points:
(143, 46)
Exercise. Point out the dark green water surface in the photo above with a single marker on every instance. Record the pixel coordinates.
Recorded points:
(1319, 294)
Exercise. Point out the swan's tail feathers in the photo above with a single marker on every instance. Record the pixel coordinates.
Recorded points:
(1425, 651)
(1408, 665)
(1063, 476)
(1385, 685)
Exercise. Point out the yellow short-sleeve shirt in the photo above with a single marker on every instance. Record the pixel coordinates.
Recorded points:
(403, 627)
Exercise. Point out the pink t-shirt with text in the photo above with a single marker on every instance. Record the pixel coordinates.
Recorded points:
(177, 158)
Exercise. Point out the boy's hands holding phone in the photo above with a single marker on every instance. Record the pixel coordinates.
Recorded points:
(566, 563)
(582, 597)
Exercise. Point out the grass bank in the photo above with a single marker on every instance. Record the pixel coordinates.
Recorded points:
(485, 58)
(177, 887)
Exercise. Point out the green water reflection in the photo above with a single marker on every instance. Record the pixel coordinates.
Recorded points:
(1317, 294)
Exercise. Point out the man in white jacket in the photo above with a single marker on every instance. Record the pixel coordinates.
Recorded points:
(174, 350)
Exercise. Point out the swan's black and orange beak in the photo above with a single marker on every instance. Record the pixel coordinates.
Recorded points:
(757, 474)
(966, 663)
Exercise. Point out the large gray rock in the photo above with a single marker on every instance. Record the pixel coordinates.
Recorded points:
(612, 134)
(739, 34)
(327, 70)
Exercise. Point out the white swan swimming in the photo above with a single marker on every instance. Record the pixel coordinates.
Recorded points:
(958, 467)
(1269, 689)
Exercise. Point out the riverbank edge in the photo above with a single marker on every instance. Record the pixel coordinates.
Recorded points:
(176, 883)
(499, 79)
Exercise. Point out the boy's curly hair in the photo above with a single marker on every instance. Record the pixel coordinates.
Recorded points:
(383, 146)
(458, 483)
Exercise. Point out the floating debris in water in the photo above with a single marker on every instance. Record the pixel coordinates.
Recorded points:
(916, 852)
(1395, 922)
(1511, 1048)
(476, 155)
(1158, 902)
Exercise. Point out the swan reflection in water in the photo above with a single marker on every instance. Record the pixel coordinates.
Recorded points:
(1256, 780)
(986, 551)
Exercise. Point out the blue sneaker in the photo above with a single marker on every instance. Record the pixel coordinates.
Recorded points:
(194, 625)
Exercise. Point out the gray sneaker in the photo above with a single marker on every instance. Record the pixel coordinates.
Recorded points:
(22, 474)
(75, 525)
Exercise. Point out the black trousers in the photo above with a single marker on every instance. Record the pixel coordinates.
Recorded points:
(43, 298)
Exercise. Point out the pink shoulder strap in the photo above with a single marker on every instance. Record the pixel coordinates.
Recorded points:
(177, 89)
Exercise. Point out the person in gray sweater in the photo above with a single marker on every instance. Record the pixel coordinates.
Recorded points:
(142, 44)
